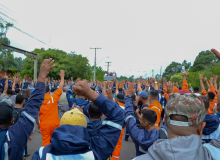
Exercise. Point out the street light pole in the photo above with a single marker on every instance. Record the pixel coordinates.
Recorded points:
(95, 62)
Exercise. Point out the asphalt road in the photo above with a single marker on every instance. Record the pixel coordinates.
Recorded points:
(127, 151)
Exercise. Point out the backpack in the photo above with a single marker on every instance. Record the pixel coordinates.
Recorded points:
(17, 114)
(2, 142)
(75, 105)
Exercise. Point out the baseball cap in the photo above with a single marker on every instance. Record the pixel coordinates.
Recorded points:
(74, 117)
(188, 105)
(121, 97)
(9, 81)
(6, 113)
(143, 94)
(32, 91)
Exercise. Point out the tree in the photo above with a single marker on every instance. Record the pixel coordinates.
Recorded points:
(121, 78)
(19, 62)
(74, 65)
(100, 73)
(186, 65)
(205, 58)
(172, 69)
(177, 78)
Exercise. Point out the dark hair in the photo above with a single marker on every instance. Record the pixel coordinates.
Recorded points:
(94, 111)
(17, 90)
(211, 95)
(149, 115)
(162, 92)
(9, 91)
(180, 88)
(206, 102)
(26, 92)
(196, 89)
(120, 89)
(93, 88)
(19, 99)
(113, 91)
(133, 97)
(154, 94)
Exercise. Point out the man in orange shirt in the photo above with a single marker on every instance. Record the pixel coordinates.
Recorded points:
(49, 118)
(155, 106)
(116, 153)
(211, 97)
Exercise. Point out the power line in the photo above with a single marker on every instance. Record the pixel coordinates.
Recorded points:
(25, 33)
(8, 17)
(7, 8)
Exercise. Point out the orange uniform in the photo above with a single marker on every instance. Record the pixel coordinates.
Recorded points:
(167, 95)
(185, 85)
(212, 89)
(117, 150)
(156, 106)
(211, 107)
(49, 119)
(204, 92)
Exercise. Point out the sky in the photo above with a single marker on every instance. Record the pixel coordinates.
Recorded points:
(137, 36)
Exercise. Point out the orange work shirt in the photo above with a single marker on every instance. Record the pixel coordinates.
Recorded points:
(185, 85)
(156, 106)
(211, 107)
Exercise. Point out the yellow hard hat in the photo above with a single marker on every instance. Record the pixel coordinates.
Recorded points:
(74, 117)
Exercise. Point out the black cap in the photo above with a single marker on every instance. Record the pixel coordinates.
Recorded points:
(121, 97)
(47, 89)
(17, 90)
(6, 113)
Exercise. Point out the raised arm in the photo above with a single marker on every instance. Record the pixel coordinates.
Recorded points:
(185, 84)
(62, 75)
(207, 83)
(201, 83)
(215, 82)
(14, 81)
(111, 126)
(6, 84)
(139, 84)
(104, 89)
(21, 131)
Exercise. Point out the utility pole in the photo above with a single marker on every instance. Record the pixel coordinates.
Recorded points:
(108, 66)
(95, 61)
(152, 73)
(160, 72)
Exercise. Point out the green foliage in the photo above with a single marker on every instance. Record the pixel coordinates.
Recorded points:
(172, 69)
(7, 61)
(74, 65)
(19, 62)
(204, 59)
(177, 78)
(121, 78)
(100, 73)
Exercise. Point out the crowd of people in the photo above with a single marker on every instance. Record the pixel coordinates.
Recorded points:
(84, 119)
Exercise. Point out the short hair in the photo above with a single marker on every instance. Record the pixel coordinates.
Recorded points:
(154, 94)
(17, 90)
(19, 99)
(196, 89)
(211, 95)
(133, 97)
(162, 92)
(113, 91)
(94, 111)
(27, 92)
(206, 102)
(9, 91)
(180, 88)
(65, 89)
(149, 115)
(120, 89)
(93, 88)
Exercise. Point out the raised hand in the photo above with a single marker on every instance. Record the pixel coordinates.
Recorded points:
(130, 90)
(217, 54)
(201, 77)
(205, 79)
(109, 93)
(170, 88)
(82, 88)
(45, 67)
(62, 73)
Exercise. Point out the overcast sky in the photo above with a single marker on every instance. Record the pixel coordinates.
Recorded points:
(137, 36)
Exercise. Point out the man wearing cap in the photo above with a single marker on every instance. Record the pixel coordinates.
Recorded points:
(72, 141)
(116, 153)
(144, 99)
(184, 118)
(145, 134)
(49, 118)
(15, 137)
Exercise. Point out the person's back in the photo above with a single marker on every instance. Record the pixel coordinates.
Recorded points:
(72, 141)
(184, 126)
(63, 103)
(212, 127)
(49, 118)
